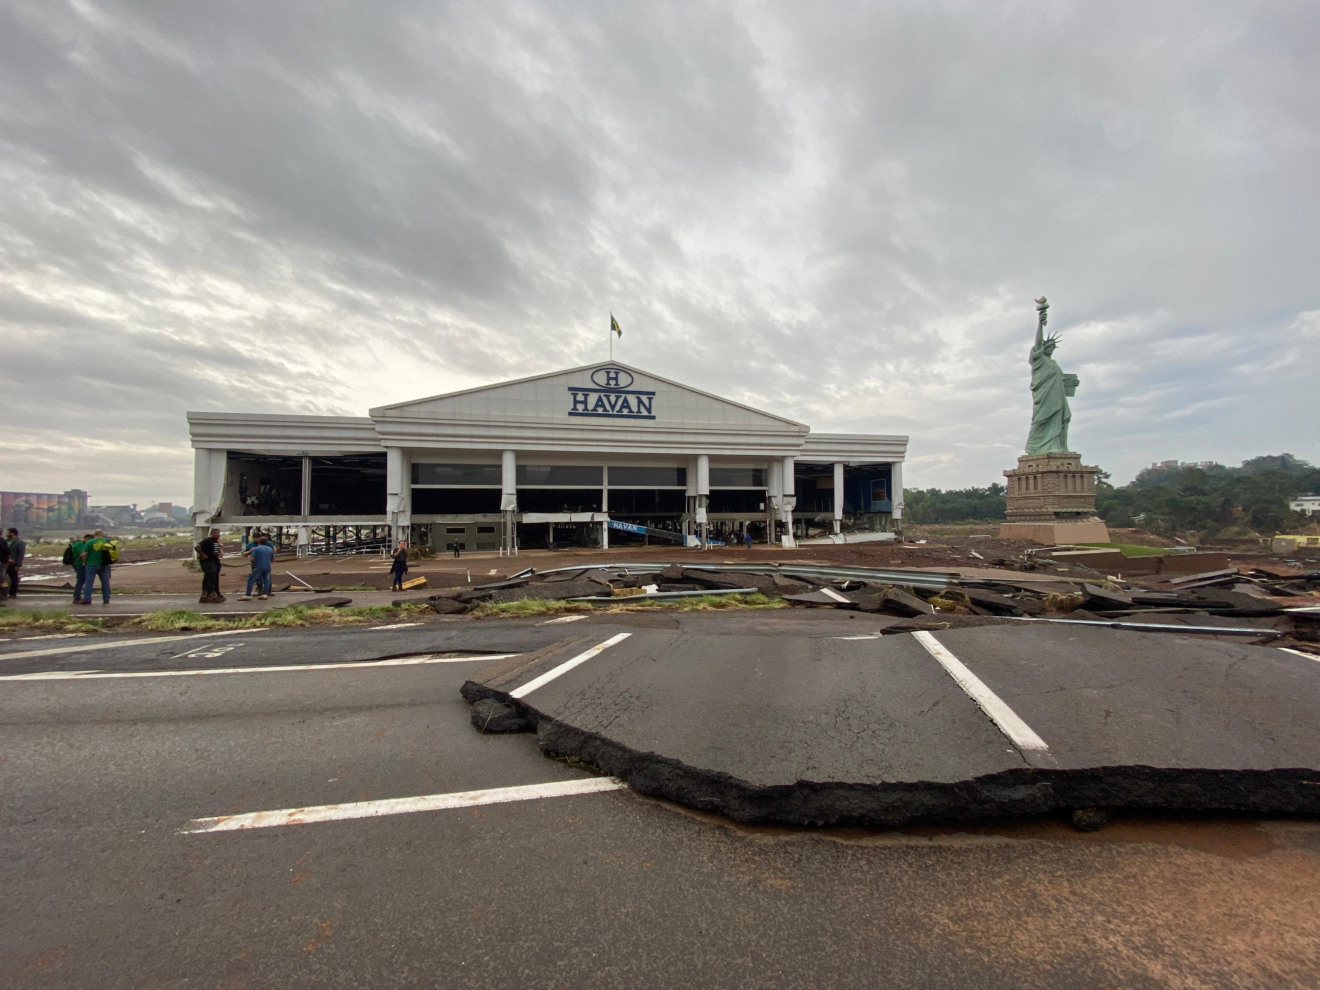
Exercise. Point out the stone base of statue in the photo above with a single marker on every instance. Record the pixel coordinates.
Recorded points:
(1051, 500)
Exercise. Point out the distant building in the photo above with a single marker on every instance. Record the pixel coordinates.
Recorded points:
(587, 456)
(1310, 504)
(42, 509)
(118, 516)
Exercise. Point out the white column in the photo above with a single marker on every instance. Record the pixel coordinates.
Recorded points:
(838, 497)
(896, 494)
(788, 500)
(306, 486)
(775, 495)
(509, 500)
(703, 496)
(203, 507)
(509, 481)
(605, 507)
(398, 492)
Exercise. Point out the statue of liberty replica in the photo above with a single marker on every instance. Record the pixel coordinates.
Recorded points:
(1051, 494)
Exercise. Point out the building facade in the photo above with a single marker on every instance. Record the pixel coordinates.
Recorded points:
(38, 509)
(588, 456)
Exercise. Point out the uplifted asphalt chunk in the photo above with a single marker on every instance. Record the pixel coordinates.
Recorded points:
(988, 603)
(837, 731)
(896, 601)
(491, 716)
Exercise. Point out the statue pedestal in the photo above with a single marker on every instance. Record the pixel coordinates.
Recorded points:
(1051, 499)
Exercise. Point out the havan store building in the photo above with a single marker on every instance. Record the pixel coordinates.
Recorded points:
(589, 456)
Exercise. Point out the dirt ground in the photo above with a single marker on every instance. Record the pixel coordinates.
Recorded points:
(162, 569)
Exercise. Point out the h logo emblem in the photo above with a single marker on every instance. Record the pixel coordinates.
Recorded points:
(612, 378)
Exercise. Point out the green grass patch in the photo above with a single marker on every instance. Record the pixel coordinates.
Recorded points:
(1128, 549)
(186, 620)
(693, 603)
(48, 620)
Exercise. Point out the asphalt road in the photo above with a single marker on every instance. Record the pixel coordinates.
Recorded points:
(103, 886)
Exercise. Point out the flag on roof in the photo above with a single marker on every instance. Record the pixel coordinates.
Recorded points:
(614, 326)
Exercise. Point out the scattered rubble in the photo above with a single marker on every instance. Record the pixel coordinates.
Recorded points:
(1201, 593)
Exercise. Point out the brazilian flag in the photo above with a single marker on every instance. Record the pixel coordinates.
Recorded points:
(614, 326)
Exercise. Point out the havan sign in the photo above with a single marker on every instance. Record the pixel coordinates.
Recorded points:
(611, 397)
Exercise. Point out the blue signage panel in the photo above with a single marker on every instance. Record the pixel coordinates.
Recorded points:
(627, 527)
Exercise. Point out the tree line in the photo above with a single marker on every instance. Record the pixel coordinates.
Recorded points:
(1207, 499)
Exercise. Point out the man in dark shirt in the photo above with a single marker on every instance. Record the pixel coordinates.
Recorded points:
(209, 552)
(17, 551)
(4, 564)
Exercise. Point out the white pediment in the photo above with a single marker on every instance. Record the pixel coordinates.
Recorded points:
(600, 397)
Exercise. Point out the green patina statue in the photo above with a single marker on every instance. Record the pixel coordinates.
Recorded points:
(1050, 389)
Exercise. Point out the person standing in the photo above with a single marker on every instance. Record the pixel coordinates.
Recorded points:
(17, 551)
(209, 552)
(4, 567)
(97, 564)
(262, 555)
(399, 567)
(76, 547)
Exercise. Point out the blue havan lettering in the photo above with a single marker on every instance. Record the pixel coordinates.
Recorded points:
(611, 403)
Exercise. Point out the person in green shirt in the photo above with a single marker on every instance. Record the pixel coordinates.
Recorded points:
(78, 545)
(97, 564)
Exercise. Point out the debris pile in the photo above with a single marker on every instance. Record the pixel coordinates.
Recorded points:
(1263, 603)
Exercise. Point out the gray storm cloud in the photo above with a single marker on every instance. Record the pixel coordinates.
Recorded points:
(840, 213)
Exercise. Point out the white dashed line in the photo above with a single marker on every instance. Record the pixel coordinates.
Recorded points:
(1019, 733)
(401, 806)
(91, 675)
(566, 666)
(563, 618)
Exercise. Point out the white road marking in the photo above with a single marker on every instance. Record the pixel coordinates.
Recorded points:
(1019, 733)
(831, 593)
(1309, 656)
(867, 636)
(566, 666)
(401, 806)
(122, 642)
(563, 618)
(207, 651)
(91, 675)
(397, 625)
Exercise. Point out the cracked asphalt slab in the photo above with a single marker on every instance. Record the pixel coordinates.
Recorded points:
(102, 888)
(842, 730)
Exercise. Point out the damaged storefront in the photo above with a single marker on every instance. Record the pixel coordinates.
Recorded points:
(595, 456)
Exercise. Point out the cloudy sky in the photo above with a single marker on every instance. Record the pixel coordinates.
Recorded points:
(839, 212)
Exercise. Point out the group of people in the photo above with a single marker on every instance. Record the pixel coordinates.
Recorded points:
(90, 559)
(12, 551)
(210, 554)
